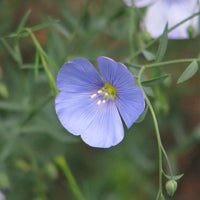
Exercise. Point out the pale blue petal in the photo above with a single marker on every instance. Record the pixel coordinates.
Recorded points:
(116, 74)
(173, 12)
(180, 10)
(75, 110)
(139, 3)
(131, 104)
(106, 128)
(79, 75)
(156, 18)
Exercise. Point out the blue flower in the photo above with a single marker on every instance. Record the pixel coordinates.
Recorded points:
(160, 12)
(90, 106)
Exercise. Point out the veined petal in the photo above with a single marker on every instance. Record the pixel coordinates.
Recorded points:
(156, 18)
(139, 3)
(75, 110)
(106, 128)
(180, 10)
(79, 75)
(116, 74)
(131, 104)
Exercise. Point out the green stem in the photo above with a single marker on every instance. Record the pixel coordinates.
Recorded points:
(62, 163)
(131, 29)
(178, 61)
(160, 146)
(157, 133)
(167, 159)
(155, 40)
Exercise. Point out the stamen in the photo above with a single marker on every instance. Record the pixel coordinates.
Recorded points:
(93, 95)
(99, 102)
(104, 101)
(99, 91)
(106, 94)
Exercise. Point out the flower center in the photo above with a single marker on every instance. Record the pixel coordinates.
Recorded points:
(107, 92)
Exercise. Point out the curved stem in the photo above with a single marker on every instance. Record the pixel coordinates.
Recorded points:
(157, 133)
(167, 159)
(131, 29)
(62, 163)
(160, 146)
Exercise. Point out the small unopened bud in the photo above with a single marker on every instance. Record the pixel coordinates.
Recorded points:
(171, 187)
(146, 36)
(191, 31)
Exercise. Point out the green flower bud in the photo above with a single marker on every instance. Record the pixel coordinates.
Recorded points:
(146, 36)
(171, 187)
(191, 31)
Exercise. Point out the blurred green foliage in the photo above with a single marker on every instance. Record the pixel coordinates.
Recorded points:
(31, 136)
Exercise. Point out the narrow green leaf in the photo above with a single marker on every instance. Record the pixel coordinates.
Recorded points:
(51, 80)
(148, 55)
(8, 48)
(142, 116)
(13, 106)
(33, 28)
(154, 81)
(36, 66)
(3, 90)
(62, 30)
(43, 25)
(176, 178)
(163, 45)
(23, 20)
(190, 71)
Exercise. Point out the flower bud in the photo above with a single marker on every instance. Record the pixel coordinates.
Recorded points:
(171, 187)
(191, 31)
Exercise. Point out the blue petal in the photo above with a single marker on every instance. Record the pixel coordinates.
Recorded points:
(131, 104)
(179, 11)
(173, 12)
(116, 74)
(75, 110)
(79, 75)
(106, 128)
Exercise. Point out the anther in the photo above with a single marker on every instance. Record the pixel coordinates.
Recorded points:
(93, 95)
(106, 94)
(99, 91)
(99, 102)
(104, 101)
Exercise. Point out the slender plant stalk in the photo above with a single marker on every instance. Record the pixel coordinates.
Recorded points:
(177, 61)
(62, 163)
(131, 29)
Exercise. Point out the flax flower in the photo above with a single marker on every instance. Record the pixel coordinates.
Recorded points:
(90, 105)
(159, 12)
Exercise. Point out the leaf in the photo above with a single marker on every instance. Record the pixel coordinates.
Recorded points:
(10, 50)
(163, 45)
(62, 30)
(154, 81)
(36, 66)
(148, 55)
(190, 71)
(23, 21)
(142, 116)
(176, 178)
(43, 25)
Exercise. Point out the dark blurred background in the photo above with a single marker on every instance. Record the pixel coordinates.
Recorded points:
(31, 136)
